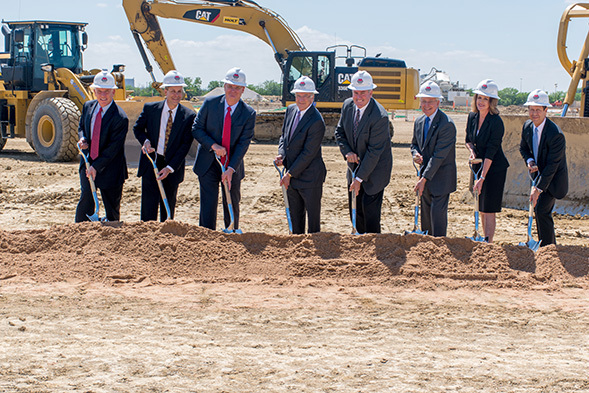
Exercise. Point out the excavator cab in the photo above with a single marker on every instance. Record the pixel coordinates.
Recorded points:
(34, 43)
(318, 66)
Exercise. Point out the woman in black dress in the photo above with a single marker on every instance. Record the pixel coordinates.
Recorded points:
(484, 134)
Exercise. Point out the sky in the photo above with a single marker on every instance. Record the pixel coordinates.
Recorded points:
(510, 41)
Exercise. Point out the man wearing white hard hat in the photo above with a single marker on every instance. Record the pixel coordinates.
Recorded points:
(434, 148)
(223, 126)
(543, 148)
(364, 140)
(484, 135)
(164, 130)
(102, 130)
(299, 150)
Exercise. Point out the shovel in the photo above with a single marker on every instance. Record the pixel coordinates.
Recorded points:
(476, 237)
(353, 172)
(531, 243)
(94, 217)
(161, 187)
(416, 229)
(281, 173)
(230, 228)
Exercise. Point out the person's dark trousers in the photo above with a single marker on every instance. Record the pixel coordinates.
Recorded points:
(209, 198)
(434, 213)
(151, 198)
(111, 199)
(544, 221)
(305, 201)
(368, 209)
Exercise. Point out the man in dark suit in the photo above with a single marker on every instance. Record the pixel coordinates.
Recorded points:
(434, 148)
(543, 148)
(223, 126)
(103, 129)
(299, 150)
(168, 124)
(365, 142)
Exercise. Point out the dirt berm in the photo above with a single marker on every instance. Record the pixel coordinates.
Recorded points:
(160, 252)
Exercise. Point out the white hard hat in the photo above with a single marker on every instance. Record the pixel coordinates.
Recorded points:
(361, 80)
(429, 89)
(304, 85)
(538, 98)
(104, 80)
(172, 79)
(235, 76)
(487, 88)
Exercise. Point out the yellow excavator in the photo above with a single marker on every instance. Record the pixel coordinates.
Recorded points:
(397, 84)
(43, 85)
(576, 69)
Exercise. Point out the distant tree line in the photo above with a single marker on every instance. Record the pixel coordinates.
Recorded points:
(512, 96)
(194, 88)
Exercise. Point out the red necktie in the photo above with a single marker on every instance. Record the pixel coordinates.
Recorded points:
(95, 142)
(226, 141)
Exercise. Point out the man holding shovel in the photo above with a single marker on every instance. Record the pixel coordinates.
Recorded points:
(299, 150)
(543, 148)
(363, 137)
(434, 148)
(163, 128)
(102, 129)
(224, 126)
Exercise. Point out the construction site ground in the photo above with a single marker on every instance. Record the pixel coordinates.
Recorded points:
(172, 307)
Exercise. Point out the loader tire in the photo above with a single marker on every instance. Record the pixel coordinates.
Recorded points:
(54, 129)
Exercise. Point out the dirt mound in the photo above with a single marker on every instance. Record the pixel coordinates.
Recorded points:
(173, 253)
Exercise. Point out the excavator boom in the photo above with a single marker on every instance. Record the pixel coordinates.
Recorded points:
(241, 15)
(576, 69)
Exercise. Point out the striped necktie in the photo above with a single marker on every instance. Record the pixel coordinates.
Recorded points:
(356, 122)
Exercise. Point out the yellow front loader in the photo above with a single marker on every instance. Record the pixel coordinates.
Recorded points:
(43, 85)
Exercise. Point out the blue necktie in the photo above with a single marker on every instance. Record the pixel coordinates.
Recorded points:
(535, 143)
(425, 128)
(295, 124)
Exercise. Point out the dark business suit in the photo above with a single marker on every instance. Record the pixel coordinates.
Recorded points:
(554, 178)
(487, 145)
(301, 156)
(208, 130)
(373, 147)
(438, 168)
(148, 127)
(110, 165)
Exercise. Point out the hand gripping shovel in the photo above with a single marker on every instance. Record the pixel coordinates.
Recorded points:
(161, 187)
(476, 237)
(94, 217)
(417, 200)
(353, 172)
(281, 173)
(531, 243)
(230, 228)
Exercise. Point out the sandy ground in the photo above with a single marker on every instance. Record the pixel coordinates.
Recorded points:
(176, 308)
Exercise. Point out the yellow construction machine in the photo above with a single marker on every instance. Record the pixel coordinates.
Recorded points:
(43, 85)
(576, 69)
(397, 84)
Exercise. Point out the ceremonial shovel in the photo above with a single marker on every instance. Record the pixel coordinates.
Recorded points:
(284, 196)
(94, 217)
(531, 243)
(353, 172)
(476, 237)
(416, 229)
(230, 228)
(161, 187)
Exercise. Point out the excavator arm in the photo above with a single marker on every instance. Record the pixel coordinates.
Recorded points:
(242, 15)
(576, 69)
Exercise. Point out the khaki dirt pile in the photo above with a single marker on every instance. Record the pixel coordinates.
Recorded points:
(173, 252)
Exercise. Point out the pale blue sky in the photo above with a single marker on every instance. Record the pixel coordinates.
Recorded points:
(511, 41)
